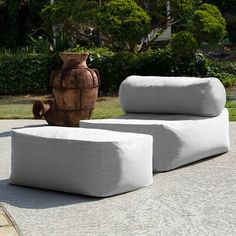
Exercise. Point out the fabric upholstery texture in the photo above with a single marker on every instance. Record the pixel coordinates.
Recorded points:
(177, 139)
(176, 95)
(84, 161)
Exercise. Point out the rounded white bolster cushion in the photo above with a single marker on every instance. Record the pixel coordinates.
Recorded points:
(176, 95)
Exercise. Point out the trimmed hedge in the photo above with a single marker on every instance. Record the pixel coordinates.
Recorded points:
(26, 73)
(114, 69)
(29, 73)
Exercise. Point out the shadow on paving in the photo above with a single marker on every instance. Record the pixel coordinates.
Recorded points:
(5, 134)
(31, 198)
(8, 133)
(34, 198)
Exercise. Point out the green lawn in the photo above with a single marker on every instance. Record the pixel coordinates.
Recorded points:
(20, 107)
(232, 110)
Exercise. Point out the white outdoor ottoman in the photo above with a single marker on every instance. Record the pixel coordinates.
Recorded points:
(83, 161)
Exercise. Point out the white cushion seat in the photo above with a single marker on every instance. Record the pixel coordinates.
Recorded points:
(83, 161)
(177, 139)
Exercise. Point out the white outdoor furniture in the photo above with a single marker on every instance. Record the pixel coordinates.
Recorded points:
(185, 116)
(84, 161)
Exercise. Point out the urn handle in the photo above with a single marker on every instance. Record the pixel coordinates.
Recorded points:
(98, 75)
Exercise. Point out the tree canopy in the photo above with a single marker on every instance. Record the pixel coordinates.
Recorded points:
(120, 23)
(18, 18)
(72, 17)
(208, 24)
(228, 9)
(124, 22)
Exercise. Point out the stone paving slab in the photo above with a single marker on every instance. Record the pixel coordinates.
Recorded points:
(7, 227)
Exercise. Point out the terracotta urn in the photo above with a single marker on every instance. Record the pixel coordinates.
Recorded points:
(74, 89)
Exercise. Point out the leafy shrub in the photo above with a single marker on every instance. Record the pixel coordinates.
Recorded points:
(94, 52)
(225, 71)
(46, 45)
(153, 62)
(124, 22)
(214, 11)
(208, 24)
(40, 45)
(227, 79)
(197, 66)
(163, 62)
(223, 66)
(113, 70)
(183, 44)
(26, 73)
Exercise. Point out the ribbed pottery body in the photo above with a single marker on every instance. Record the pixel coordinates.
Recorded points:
(74, 88)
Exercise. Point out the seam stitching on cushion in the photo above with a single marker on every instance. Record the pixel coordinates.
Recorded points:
(100, 168)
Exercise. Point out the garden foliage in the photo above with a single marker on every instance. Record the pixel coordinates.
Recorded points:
(29, 73)
(183, 44)
(225, 71)
(228, 8)
(75, 19)
(26, 73)
(18, 19)
(208, 24)
(11, 36)
(124, 22)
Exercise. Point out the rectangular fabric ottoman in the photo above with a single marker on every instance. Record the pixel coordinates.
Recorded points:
(84, 161)
(177, 139)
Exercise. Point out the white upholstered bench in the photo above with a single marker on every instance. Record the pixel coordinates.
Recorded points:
(84, 161)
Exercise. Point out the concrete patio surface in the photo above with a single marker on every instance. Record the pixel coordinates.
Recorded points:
(198, 199)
